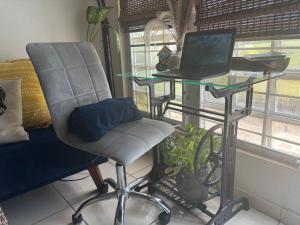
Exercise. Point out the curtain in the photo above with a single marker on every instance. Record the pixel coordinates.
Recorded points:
(135, 14)
(252, 18)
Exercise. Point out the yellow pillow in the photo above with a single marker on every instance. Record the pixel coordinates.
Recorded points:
(35, 110)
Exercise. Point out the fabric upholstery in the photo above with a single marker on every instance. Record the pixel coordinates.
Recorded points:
(11, 129)
(44, 159)
(35, 110)
(91, 122)
(127, 142)
(3, 220)
(71, 75)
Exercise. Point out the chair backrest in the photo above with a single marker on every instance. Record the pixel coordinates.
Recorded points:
(71, 75)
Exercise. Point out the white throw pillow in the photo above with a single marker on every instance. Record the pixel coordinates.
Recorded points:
(11, 129)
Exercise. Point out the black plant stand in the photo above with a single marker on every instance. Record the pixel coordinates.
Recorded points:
(166, 184)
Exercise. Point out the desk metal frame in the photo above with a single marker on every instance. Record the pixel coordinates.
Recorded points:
(159, 105)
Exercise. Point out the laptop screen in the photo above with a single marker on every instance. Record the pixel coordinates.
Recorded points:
(207, 49)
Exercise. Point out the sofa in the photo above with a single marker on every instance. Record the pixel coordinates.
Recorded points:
(43, 159)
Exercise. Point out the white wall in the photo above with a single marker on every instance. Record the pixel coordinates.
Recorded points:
(24, 21)
(271, 187)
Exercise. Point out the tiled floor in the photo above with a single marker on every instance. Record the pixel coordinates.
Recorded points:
(54, 204)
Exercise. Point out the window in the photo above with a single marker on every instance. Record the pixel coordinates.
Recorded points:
(144, 58)
(275, 121)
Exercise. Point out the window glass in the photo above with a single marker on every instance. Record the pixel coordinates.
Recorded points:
(278, 102)
(253, 44)
(258, 102)
(249, 137)
(290, 43)
(252, 123)
(287, 106)
(137, 38)
(141, 98)
(260, 87)
(285, 147)
(144, 57)
(294, 55)
(286, 131)
(289, 87)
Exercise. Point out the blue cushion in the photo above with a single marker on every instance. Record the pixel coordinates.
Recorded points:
(91, 122)
(44, 159)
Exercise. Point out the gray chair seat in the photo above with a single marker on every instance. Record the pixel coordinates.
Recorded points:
(127, 142)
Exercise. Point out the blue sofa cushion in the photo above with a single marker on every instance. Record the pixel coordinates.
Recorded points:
(44, 159)
(91, 122)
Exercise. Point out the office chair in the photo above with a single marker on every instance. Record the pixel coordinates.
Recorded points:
(71, 75)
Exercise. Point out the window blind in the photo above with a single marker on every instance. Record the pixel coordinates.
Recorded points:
(136, 13)
(252, 18)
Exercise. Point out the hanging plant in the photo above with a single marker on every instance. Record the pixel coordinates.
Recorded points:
(95, 16)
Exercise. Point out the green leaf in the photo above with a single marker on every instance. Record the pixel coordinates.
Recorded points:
(180, 150)
(103, 13)
(117, 37)
(176, 170)
(92, 15)
(96, 15)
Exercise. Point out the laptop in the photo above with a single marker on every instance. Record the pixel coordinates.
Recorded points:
(205, 54)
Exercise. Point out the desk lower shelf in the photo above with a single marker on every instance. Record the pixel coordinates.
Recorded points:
(167, 187)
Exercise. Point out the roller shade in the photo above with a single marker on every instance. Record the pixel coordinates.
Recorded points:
(252, 18)
(136, 13)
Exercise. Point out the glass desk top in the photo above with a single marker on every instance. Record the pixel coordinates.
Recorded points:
(234, 79)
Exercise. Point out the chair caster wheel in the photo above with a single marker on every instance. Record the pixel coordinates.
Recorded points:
(111, 182)
(164, 218)
(77, 220)
(103, 189)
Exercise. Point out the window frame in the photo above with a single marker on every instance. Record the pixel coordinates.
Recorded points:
(269, 113)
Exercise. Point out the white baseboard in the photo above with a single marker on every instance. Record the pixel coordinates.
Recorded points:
(269, 208)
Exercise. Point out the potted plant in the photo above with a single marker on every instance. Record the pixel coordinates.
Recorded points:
(179, 153)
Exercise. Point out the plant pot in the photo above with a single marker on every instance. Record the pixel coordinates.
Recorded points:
(191, 189)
